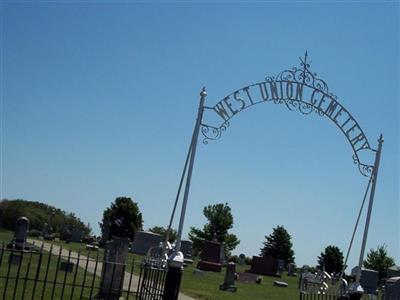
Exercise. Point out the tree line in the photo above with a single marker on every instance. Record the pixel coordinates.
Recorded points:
(38, 214)
(123, 219)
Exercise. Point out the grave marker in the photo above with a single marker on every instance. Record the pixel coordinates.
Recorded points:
(392, 291)
(144, 240)
(210, 257)
(242, 259)
(66, 266)
(20, 234)
(112, 274)
(229, 281)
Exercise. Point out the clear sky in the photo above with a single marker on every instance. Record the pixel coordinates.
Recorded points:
(99, 101)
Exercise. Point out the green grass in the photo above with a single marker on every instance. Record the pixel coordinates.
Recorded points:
(41, 268)
(5, 236)
(131, 258)
(204, 287)
(207, 286)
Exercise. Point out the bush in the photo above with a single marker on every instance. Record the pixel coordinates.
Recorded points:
(234, 258)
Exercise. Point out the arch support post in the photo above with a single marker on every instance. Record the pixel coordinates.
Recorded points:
(192, 154)
(370, 205)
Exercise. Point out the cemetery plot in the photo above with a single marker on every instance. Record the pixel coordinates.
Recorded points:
(40, 274)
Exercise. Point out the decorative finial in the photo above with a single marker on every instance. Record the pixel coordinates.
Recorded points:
(305, 64)
(381, 140)
(203, 92)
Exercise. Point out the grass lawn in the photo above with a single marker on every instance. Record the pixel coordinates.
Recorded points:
(5, 236)
(42, 269)
(207, 286)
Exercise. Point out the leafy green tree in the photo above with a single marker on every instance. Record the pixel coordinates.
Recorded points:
(220, 220)
(379, 260)
(278, 245)
(38, 214)
(163, 231)
(331, 260)
(123, 218)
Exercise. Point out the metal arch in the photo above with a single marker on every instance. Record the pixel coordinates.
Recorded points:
(300, 76)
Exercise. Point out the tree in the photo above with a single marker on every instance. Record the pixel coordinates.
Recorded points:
(123, 218)
(220, 220)
(379, 260)
(163, 231)
(38, 214)
(278, 245)
(331, 260)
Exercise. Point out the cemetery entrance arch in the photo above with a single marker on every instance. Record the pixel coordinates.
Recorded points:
(300, 90)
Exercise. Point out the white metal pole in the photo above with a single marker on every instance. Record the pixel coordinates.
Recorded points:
(371, 202)
(193, 146)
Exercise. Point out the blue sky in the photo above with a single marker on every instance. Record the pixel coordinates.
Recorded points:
(99, 101)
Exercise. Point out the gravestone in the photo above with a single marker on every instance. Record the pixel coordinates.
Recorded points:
(144, 240)
(266, 265)
(242, 259)
(229, 280)
(105, 232)
(198, 273)
(112, 273)
(247, 277)
(47, 232)
(92, 247)
(280, 266)
(291, 269)
(66, 266)
(392, 289)
(20, 234)
(65, 234)
(76, 235)
(280, 283)
(309, 282)
(210, 257)
(187, 249)
(369, 279)
(393, 271)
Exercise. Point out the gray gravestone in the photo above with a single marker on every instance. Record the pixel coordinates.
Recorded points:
(66, 266)
(187, 249)
(242, 260)
(393, 271)
(280, 283)
(76, 235)
(47, 232)
(229, 281)
(20, 234)
(143, 241)
(369, 279)
(112, 274)
(247, 277)
(392, 290)
(291, 269)
(105, 232)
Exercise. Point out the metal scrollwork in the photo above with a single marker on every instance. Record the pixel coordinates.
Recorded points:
(365, 170)
(285, 89)
(212, 133)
